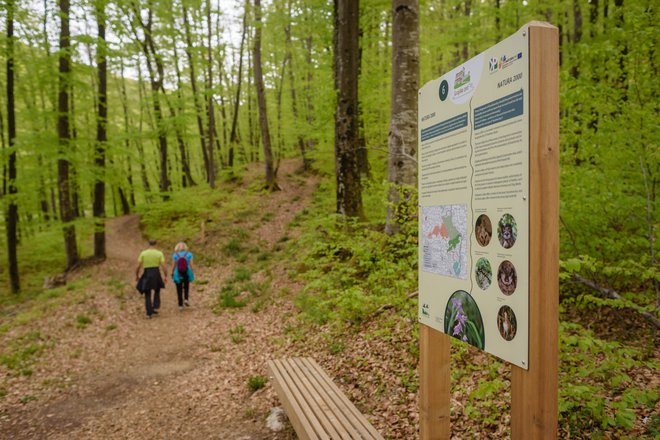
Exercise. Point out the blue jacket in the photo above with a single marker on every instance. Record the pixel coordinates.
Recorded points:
(175, 274)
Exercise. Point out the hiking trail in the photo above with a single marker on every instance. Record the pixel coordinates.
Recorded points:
(179, 375)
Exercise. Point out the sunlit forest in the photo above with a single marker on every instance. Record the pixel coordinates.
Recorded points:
(189, 113)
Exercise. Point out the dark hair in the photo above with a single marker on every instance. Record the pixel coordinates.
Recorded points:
(152, 242)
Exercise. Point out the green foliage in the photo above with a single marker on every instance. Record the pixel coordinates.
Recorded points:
(82, 321)
(242, 274)
(256, 383)
(357, 267)
(233, 248)
(596, 391)
(22, 352)
(237, 334)
(227, 298)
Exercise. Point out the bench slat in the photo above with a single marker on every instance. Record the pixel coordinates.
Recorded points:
(360, 421)
(315, 405)
(335, 418)
(295, 405)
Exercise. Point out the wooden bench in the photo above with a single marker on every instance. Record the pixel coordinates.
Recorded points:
(315, 406)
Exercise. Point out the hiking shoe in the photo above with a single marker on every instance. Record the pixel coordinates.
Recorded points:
(155, 312)
(148, 316)
(186, 303)
(180, 308)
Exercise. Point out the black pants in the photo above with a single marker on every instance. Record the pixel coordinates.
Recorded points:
(149, 304)
(181, 290)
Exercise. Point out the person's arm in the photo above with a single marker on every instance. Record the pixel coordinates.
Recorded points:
(137, 270)
(190, 262)
(164, 269)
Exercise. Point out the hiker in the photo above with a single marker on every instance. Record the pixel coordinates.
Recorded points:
(153, 262)
(182, 272)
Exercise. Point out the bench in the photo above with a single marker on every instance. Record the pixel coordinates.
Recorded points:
(315, 406)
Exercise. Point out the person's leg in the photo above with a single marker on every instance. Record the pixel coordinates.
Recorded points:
(186, 288)
(147, 303)
(156, 299)
(179, 293)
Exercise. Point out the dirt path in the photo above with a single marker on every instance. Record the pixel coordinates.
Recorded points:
(180, 375)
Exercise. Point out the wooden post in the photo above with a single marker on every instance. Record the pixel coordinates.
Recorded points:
(534, 401)
(434, 379)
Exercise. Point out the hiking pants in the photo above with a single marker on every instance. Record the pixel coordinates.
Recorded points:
(181, 290)
(148, 304)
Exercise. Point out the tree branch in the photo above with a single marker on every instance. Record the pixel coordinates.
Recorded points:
(611, 294)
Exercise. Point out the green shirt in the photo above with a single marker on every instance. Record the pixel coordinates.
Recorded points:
(151, 258)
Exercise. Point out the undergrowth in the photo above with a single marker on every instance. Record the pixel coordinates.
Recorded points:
(351, 268)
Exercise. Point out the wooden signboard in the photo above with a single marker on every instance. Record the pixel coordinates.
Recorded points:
(489, 226)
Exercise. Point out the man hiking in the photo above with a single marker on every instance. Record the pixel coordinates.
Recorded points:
(153, 262)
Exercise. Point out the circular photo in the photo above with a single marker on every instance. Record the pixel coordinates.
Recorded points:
(483, 229)
(507, 278)
(506, 323)
(483, 273)
(507, 231)
(463, 319)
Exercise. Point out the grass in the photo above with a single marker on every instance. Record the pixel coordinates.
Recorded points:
(227, 297)
(237, 334)
(256, 383)
(82, 321)
(242, 273)
(23, 351)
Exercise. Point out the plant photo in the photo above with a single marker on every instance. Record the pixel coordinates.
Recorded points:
(463, 319)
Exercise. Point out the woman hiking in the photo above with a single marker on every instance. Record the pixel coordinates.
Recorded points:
(153, 262)
(182, 272)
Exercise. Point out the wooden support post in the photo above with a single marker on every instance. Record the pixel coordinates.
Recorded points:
(534, 400)
(434, 379)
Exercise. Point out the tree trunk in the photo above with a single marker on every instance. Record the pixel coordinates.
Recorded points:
(271, 183)
(101, 135)
(292, 86)
(349, 187)
(209, 98)
(308, 92)
(193, 85)
(233, 137)
(402, 140)
(64, 85)
(12, 209)
(141, 94)
(149, 49)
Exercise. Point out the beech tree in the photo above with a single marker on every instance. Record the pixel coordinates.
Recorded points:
(402, 139)
(10, 178)
(101, 133)
(349, 187)
(64, 136)
(271, 183)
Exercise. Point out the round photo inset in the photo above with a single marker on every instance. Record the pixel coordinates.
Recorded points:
(483, 229)
(463, 319)
(507, 231)
(507, 279)
(506, 323)
(483, 273)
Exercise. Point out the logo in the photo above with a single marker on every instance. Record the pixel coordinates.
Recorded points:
(462, 78)
(504, 61)
(425, 310)
(444, 90)
(462, 83)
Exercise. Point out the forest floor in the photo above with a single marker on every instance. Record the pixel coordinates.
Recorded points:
(83, 362)
(179, 375)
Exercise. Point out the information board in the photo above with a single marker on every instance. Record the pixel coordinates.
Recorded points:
(474, 201)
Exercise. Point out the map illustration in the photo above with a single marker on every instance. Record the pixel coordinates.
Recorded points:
(444, 240)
